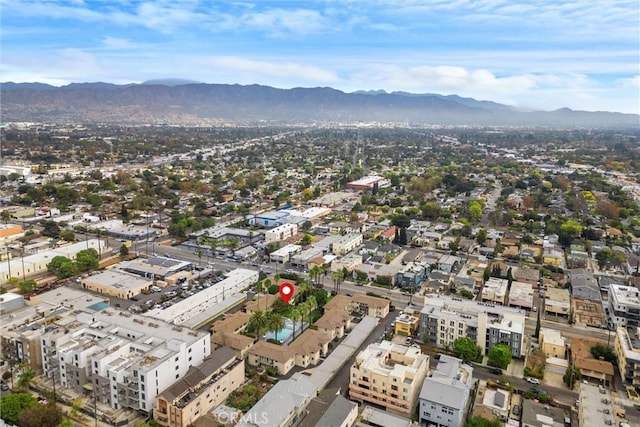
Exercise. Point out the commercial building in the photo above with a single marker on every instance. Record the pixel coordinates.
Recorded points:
(116, 283)
(156, 267)
(182, 312)
(446, 393)
(10, 231)
(269, 219)
(124, 359)
(627, 348)
(445, 319)
(202, 388)
(282, 232)
(10, 301)
(31, 265)
(389, 375)
(624, 306)
(368, 183)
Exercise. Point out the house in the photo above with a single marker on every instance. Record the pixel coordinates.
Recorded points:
(446, 393)
(448, 263)
(526, 275)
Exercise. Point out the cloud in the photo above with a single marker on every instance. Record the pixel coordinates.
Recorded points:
(281, 21)
(259, 69)
(117, 43)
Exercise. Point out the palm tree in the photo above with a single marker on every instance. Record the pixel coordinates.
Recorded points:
(275, 323)
(313, 273)
(257, 322)
(295, 314)
(25, 377)
(265, 288)
(304, 288)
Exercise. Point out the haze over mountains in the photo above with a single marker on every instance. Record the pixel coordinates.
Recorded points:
(183, 102)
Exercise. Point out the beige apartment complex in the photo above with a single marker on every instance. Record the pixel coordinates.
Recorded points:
(203, 388)
(389, 375)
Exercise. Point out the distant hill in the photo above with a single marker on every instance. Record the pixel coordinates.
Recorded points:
(185, 103)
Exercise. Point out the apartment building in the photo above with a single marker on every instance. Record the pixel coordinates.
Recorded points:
(521, 295)
(407, 325)
(444, 319)
(495, 291)
(125, 359)
(346, 244)
(305, 350)
(281, 232)
(624, 305)
(389, 375)
(203, 388)
(627, 348)
(445, 394)
(557, 302)
(285, 253)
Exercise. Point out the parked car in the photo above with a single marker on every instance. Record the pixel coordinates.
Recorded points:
(531, 380)
(516, 410)
(496, 371)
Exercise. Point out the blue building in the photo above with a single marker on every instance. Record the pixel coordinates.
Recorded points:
(269, 219)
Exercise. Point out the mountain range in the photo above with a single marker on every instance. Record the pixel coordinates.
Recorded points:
(183, 102)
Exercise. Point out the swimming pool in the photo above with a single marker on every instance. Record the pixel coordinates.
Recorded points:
(283, 335)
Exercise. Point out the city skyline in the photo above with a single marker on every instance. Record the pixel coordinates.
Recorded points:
(532, 55)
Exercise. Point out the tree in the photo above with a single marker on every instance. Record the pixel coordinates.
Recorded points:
(26, 286)
(479, 421)
(87, 259)
(307, 239)
(49, 415)
(304, 288)
(466, 294)
(257, 322)
(5, 215)
(500, 356)
(275, 323)
(538, 325)
(401, 221)
(124, 251)
(50, 229)
(67, 235)
(475, 210)
(602, 351)
(569, 230)
(14, 404)
(402, 236)
(466, 349)
(295, 314)
(571, 375)
(481, 237)
(25, 377)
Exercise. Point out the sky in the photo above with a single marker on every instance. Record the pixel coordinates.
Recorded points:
(534, 55)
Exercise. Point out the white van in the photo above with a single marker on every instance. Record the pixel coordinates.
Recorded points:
(155, 289)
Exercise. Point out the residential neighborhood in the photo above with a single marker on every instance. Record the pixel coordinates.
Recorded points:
(440, 276)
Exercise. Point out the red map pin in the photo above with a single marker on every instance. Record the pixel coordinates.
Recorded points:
(286, 292)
